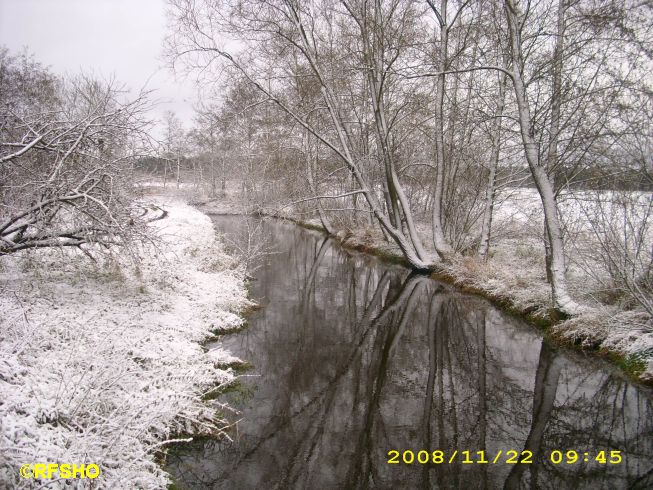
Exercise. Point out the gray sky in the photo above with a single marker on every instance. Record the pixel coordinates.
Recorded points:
(108, 37)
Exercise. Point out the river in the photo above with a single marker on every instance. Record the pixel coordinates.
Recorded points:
(360, 363)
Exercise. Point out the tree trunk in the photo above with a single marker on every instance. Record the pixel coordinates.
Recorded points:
(561, 299)
(311, 165)
(178, 167)
(398, 197)
(486, 228)
(554, 126)
(439, 240)
(345, 151)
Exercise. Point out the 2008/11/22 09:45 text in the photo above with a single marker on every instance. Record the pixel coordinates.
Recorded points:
(508, 457)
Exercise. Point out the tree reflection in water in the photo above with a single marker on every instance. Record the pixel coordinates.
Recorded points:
(356, 358)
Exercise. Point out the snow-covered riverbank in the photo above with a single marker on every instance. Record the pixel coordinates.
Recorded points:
(103, 363)
(514, 275)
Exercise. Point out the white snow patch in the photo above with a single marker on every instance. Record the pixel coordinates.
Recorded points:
(104, 365)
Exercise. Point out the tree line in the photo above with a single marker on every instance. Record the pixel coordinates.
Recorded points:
(399, 112)
(417, 118)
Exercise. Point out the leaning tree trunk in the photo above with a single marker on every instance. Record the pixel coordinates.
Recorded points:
(394, 185)
(415, 257)
(561, 300)
(376, 82)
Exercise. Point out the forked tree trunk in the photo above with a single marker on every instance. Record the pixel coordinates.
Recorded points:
(401, 205)
(407, 247)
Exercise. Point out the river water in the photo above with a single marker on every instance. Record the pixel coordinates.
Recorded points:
(355, 358)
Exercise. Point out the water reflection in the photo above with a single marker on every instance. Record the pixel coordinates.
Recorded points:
(356, 358)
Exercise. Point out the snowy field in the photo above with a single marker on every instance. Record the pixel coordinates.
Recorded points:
(103, 363)
(596, 224)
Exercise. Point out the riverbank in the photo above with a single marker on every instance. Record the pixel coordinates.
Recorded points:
(102, 363)
(623, 337)
(513, 278)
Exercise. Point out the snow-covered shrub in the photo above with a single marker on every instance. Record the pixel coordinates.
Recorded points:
(105, 369)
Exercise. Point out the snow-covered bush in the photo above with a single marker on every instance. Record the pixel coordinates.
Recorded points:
(105, 368)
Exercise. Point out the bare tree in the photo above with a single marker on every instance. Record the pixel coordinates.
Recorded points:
(66, 155)
(556, 266)
(445, 24)
(298, 29)
(383, 110)
(173, 146)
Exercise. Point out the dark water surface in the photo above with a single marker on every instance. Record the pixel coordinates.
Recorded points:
(354, 358)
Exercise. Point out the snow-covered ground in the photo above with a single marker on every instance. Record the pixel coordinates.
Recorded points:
(103, 363)
(516, 270)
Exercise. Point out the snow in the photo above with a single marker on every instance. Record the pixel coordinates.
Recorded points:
(104, 363)
(515, 270)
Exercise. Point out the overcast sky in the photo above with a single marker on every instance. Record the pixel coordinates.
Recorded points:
(109, 37)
